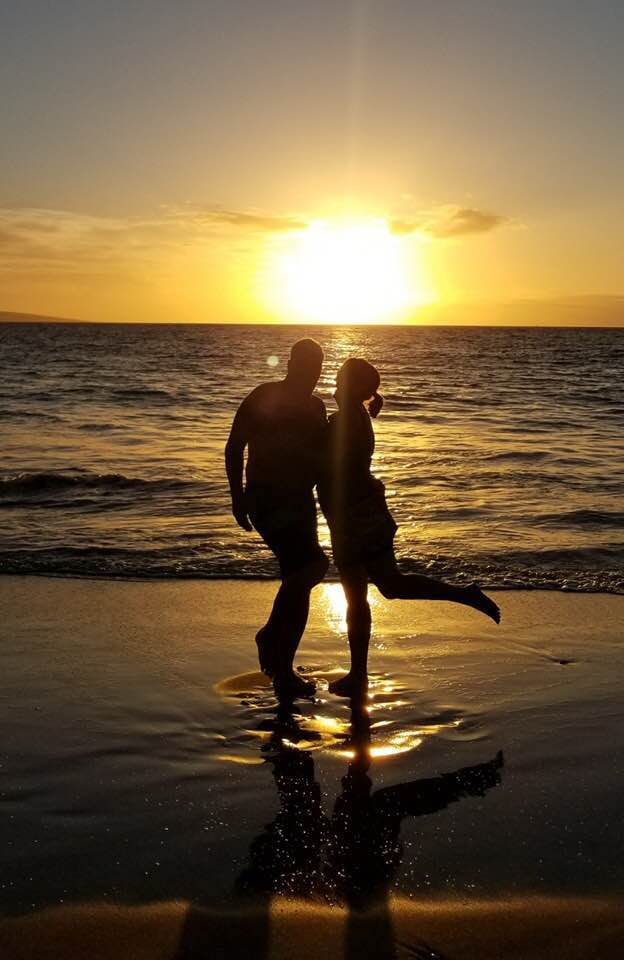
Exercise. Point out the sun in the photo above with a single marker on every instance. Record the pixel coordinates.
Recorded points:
(345, 272)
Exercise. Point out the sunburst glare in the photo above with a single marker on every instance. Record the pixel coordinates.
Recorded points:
(346, 272)
(334, 603)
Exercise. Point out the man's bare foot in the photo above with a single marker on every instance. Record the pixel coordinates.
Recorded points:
(289, 686)
(266, 655)
(480, 601)
(349, 686)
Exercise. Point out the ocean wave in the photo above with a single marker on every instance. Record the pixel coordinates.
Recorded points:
(99, 427)
(613, 519)
(529, 455)
(26, 487)
(17, 414)
(582, 571)
(142, 393)
(97, 504)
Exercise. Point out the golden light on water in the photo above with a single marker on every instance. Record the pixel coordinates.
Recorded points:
(395, 742)
(400, 742)
(345, 272)
(239, 759)
(333, 600)
(335, 603)
(384, 726)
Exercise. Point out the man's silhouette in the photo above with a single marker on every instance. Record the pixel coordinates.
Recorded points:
(282, 425)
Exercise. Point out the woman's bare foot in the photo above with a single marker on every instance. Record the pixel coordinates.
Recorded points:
(476, 598)
(350, 685)
(289, 685)
(266, 655)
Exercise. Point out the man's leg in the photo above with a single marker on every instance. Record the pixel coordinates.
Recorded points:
(288, 526)
(279, 639)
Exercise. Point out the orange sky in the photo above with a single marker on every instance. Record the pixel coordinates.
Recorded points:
(287, 161)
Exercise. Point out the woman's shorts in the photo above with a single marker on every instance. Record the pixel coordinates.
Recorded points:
(366, 529)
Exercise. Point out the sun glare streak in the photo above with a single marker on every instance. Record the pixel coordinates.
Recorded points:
(345, 272)
(335, 603)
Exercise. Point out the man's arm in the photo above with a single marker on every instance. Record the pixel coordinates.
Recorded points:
(320, 436)
(320, 413)
(234, 463)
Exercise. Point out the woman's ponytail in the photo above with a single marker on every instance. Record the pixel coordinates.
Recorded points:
(375, 404)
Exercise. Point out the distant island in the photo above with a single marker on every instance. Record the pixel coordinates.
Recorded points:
(7, 316)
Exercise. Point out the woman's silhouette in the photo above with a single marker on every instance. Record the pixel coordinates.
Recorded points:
(361, 526)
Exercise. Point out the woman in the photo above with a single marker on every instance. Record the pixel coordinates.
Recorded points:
(361, 526)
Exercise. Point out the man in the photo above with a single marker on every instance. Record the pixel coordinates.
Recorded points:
(282, 425)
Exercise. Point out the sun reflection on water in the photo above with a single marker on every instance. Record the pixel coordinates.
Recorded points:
(402, 741)
(334, 604)
(398, 724)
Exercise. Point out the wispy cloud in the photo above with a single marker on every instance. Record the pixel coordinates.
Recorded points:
(447, 222)
(38, 239)
(248, 220)
(41, 241)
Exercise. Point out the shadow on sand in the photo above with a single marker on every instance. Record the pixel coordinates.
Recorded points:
(348, 859)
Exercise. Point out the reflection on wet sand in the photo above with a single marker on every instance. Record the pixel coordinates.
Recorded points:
(399, 724)
(318, 884)
(348, 857)
(352, 856)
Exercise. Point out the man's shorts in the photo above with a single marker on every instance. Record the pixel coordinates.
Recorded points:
(287, 524)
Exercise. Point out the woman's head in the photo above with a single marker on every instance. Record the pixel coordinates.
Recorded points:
(358, 381)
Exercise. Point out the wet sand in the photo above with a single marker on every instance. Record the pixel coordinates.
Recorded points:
(145, 771)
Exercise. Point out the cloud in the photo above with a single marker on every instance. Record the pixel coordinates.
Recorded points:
(40, 240)
(240, 218)
(37, 240)
(467, 220)
(446, 222)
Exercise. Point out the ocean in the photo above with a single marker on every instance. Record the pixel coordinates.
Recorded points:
(502, 449)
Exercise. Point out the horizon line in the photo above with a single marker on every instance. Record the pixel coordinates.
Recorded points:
(62, 321)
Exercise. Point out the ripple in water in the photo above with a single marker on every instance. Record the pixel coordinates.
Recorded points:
(395, 723)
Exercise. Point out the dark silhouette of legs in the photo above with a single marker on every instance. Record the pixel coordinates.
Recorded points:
(394, 585)
(279, 639)
(355, 585)
(382, 570)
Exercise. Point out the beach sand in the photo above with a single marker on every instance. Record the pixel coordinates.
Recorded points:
(145, 775)
(519, 929)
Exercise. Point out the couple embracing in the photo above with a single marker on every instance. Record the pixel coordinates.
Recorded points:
(292, 448)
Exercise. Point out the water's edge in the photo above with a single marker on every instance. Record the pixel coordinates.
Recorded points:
(210, 577)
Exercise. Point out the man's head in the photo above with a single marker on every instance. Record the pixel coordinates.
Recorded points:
(304, 364)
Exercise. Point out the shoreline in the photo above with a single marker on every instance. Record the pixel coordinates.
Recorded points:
(225, 578)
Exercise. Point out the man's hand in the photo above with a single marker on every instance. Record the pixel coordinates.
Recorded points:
(234, 457)
(239, 512)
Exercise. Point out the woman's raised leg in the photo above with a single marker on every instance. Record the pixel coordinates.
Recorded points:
(394, 585)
